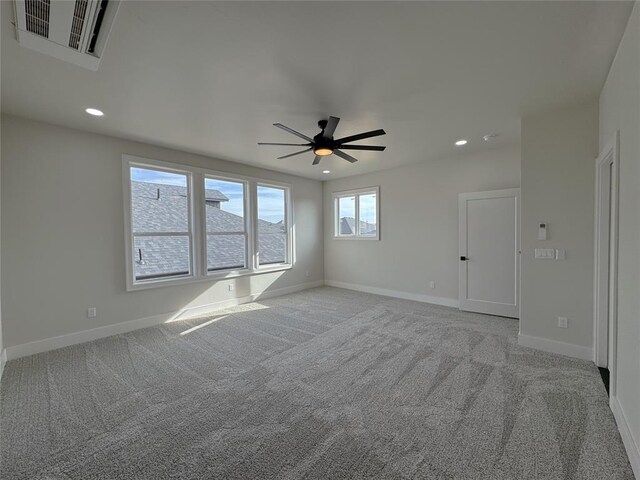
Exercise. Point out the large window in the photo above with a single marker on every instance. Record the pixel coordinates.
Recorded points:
(356, 214)
(187, 224)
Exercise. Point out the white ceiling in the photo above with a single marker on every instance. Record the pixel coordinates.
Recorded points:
(212, 77)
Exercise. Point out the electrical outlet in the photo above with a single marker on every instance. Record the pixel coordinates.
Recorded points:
(231, 287)
(432, 284)
(306, 274)
(92, 312)
(563, 322)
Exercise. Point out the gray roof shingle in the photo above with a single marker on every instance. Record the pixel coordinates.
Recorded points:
(348, 225)
(164, 208)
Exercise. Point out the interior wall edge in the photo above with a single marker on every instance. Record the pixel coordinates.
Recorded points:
(418, 297)
(3, 361)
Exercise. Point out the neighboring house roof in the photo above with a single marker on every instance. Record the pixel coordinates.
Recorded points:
(348, 226)
(163, 208)
(213, 195)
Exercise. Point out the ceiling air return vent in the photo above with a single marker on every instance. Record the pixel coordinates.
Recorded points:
(75, 31)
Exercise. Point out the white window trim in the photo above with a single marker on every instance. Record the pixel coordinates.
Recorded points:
(336, 217)
(197, 210)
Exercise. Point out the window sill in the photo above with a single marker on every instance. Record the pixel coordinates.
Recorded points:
(356, 238)
(213, 277)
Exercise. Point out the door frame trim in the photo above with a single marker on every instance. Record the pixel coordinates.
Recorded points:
(606, 231)
(462, 230)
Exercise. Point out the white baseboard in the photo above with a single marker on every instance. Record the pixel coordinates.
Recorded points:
(82, 336)
(630, 444)
(3, 361)
(554, 346)
(418, 297)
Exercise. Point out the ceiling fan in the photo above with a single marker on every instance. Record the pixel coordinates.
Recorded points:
(323, 144)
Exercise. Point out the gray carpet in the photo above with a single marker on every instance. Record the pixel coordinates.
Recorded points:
(322, 384)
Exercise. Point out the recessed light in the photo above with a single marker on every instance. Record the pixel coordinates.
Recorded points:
(94, 111)
(326, 171)
(461, 142)
(489, 137)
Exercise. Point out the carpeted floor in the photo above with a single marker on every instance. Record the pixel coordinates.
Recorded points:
(322, 384)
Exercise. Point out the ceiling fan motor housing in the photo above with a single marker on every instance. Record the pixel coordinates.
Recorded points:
(320, 142)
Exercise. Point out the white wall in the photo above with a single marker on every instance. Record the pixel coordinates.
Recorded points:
(2, 350)
(63, 234)
(558, 153)
(418, 222)
(620, 110)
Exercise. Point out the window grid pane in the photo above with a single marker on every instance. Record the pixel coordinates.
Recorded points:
(347, 215)
(226, 252)
(272, 225)
(158, 257)
(367, 214)
(226, 239)
(159, 201)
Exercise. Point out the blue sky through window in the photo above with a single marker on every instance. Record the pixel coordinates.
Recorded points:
(270, 204)
(156, 176)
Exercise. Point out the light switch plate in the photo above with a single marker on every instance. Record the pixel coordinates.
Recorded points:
(545, 253)
(561, 254)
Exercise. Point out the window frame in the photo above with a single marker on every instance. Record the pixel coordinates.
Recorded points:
(248, 250)
(190, 225)
(288, 226)
(198, 226)
(336, 213)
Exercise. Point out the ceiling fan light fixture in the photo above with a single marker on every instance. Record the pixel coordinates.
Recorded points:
(323, 144)
(323, 151)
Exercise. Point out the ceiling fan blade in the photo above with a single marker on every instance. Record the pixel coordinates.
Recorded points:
(291, 130)
(374, 148)
(348, 158)
(316, 160)
(293, 154)
(332, 123)
(361, 136)
(285, 144)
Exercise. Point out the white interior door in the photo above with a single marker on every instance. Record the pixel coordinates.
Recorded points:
(489, 252)
(606, 261)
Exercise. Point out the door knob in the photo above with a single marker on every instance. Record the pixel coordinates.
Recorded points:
(463, 259)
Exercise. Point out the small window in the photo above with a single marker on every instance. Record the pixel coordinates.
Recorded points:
(160, 221)
(273, 238)
(356, 214)
(226, 226)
